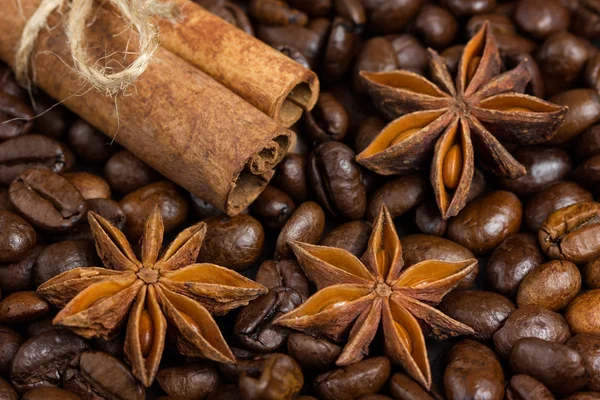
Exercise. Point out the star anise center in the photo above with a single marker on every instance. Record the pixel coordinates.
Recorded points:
(383, 289)
(461, 106)
(148, 275)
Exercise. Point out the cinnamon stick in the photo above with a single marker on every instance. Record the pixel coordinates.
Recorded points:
(271, 81)
(176, 118)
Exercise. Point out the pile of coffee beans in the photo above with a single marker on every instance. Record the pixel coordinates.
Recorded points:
(533, 302)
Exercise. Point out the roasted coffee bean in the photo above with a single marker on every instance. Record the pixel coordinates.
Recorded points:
(352, 10)
(336, 180)
(305, 225)
(17, 237)
(94, 374)
(10, 341)
(15, 116)
(7, 392)
(109, 210)
(410, 53)
(535, 86)
(556, 196)
(498, 23)
(469, 7)
(583, 396)
(436, 26)
(49, 393)
(313, 353)
(404, 388)
(587, 173)
(524, 387)
(287, 273)
(429, 219)
(364, 377)
(452, 57)
(530, 321)
(556, 365)
(591, 274)
(305, 40)
(5, 203)
(47, 200)
(247, 362)
(588, 347)
(572, 233)
(582, 313)
(328, 120)
(22, 307)
(485, 312)
(399, 195)
(391, 16)
(352, 236)
(40, 326)
(367, 131)
(339, 49)
(126, 173)
(203, 209)
(376, 55)
(274, 207)
(88, 143)
(473, 372)
(89, 185)
(584, 111)
(541, 18)
(52, 119)
(225, 392)
(233, 14)
(232, 242)
(113, 346)
(544, 166)
(254, 325)
(164, 195)
(314, 8)
(189, 381)
(46, 354)
(588, 143)
(551, 285)
(276, 12)
(280, 377)
(291, 177)
(592, 72)
(486, 221)
(31, 151)
(64, 256)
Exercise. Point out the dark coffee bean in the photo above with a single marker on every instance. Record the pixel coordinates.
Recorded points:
(113, 346)
(294, 54)
(52, 119)
(234, 242)
(531, 322)
(556, 365)
(551, 285)
(254, 325)
(9, 84)
(478, 185)
(364, 377)
(584, 111)
(556, 196)
(592, 72)
(10, 341)
(190, 381)
(352, 10)
(274, 207)
(138, 205)
(22, 307)
(586, 21)
(485, 312)
(367, 131)
(64, 256)
(588, 143)
(582, 313)
(291, 177)
(126, 173)
(583, 396)
(376, 55)
(276, 13)
(498, 23)
(328, 120)
(5, 203)
(46, 354)
(89, 144)
(511, 261)
(353, 104)
(7, 392)
(541, 18)
(572, 233)
(352, 236)
(17, 237)
(524, 387)
(49, 393)
(19, 114)
(109, 210)
(544, 166)
(588, 347)
(399, 195)
(336, 180)
(391, 16)
(436, 26)
(588, 172)
(90, 186)
(473, 372)
(305, 40)
(410, 53)
(247, 363)
(339, 48)
(429, 219)
(314, 8)
(486, 221)
(452, 57)
(40, 326)
(313, 353)
(591, 274)
(280, 378)
(287, 273)
(233, 14)
(225, 392)
(305, 225)
(30, 151)
(535, 86)
(203, 209)
(94, 374)
(402, 387)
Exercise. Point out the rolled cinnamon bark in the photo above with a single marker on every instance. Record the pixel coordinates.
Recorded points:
(176, 118)
(271, 81)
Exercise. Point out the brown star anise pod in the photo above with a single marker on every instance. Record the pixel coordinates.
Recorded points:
(152, 291)
(482, 110)
(356, 296)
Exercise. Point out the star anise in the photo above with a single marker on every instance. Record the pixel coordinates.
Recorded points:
(354, 297)
(483, 109)
(152, 291)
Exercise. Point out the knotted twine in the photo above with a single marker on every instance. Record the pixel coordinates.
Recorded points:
(139, 14)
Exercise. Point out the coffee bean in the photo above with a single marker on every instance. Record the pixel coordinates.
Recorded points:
(52, 119)
(376, 55)
(524, 387)
(556, 196)
(276, 13)
(126, 173)
(399, 195)
(582, 313)
(452, 57)
(483, 311)
(551, 285)
(367, 131)
(17, 237)
(339, 48)
(429, 219)
(94, 374)
(138, 205)
(247, 363)
(328, 120)
(352, 236)
(436, 26)
(410, 53)
(572, 233)
(530, 321)
(5, 203)
(305, 225)
(10, 341)
(462, 7)
(12, 107)
(314, 8)
(486, 221)
(336, 180)
(109, 210)
(31, 151)
(274, 207)
(64, 256)
(473, 372)
(286, 273)
(535, 87)
(556, 365)
(18, 276)
(390, 16)
(584, 111)
(588, 347)
(305, 40)
(40, 326)
(190, 381)
(203, 209)
(364, 377)
(45, 354)
(89, 185)
(588, 143)
(498, 23)
(313, 353)
(583, 396)
(541, 18)
(233, 14)
(225, 392)
(89, 143)
(47, 200)
(47, 393)
(403, 387)
(22, 307)
(592, 72)
(280, 378)
(291, 177)
(7, 392)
